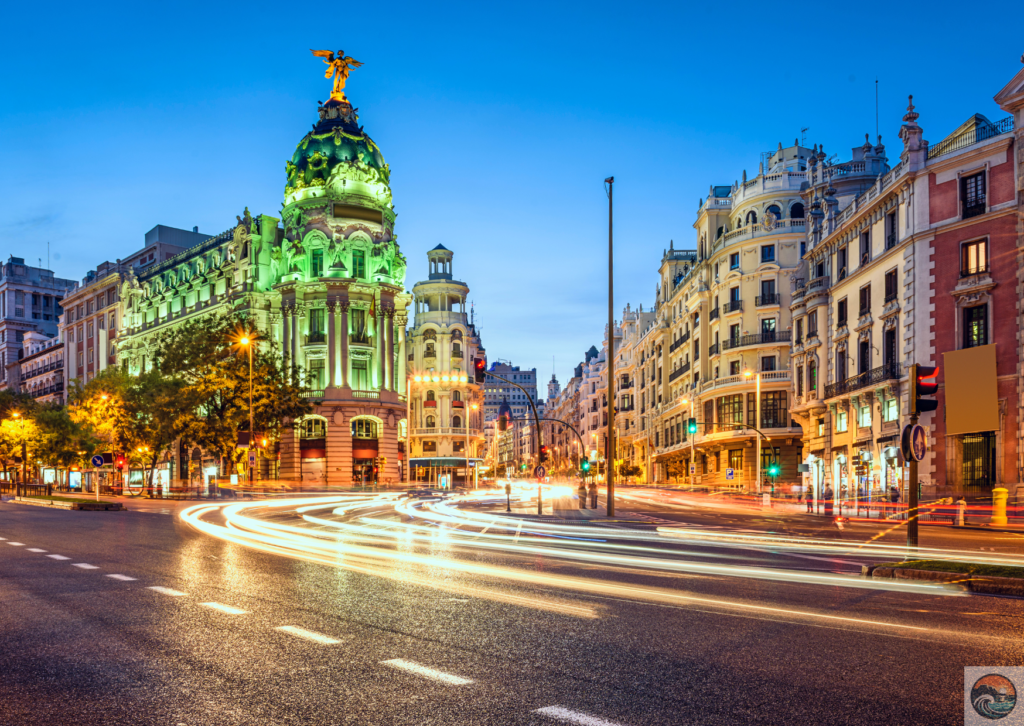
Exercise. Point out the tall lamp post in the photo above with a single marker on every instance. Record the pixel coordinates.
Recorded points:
(474, 407)
(247, 342)
(24, 452)
(609, 444)
(757, 418)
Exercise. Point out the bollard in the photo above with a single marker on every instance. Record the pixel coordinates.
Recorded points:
(999, 495)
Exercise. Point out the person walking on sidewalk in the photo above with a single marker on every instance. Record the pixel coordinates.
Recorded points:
(583, 495)
(593, 495)
(810, 499)
(828, 495)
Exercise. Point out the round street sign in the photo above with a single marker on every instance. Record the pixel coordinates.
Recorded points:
(539, 472)
(97, 460)
(914, 442)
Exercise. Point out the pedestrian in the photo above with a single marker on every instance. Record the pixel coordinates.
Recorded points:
(810, 499)
(593, 495)
(828, 495)
(961, 511)
(583, 495)
(894, 494)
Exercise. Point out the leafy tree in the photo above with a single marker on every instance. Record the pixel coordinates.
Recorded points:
(62, 441)
(20, 435)
(206, 356)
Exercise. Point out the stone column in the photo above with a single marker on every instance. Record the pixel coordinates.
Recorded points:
(390, 312)
(331, 355)
(381, 352)
(294, 343)
(402, 355)
(286, 338)
(344, 305)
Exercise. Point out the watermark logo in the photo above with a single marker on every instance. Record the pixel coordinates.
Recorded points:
(990, 693)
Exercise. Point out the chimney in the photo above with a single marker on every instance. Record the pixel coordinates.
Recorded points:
(195, 230)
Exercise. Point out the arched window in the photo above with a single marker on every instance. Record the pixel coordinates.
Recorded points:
(456, 395)
(774, 210)
(365, 428)
(457, 422)
(721, 231)
(428, 351)
(796, 211)
(430, 422)
(313, 428)
(751, 217)
(429, 335)
(430, 396)
(456, 350)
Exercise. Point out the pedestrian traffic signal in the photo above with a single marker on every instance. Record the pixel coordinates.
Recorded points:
(543, 453)
(691, 425)
(926, 383)
(480, 369)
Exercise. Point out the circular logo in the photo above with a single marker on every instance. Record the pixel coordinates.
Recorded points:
(993, 696)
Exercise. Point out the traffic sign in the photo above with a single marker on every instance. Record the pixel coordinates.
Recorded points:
(540, 472)
(252, 458)
(730, 474)
(97, 460)
(693, 468)
(914, 442)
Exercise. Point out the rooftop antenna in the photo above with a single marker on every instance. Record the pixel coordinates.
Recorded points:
(876, 107)
(803, 135)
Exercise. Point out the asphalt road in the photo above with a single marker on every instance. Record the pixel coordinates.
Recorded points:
(431, 644)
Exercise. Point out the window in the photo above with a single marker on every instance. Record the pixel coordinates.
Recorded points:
(768, 363)
(90, 329)
(316, 377)
(768, 329)
(890, 230)
(891, 409)
(430, 422)
(891, 291)
(774, 411)
(730, 409)
(796, 211)
(865, 247)
(812, 378)
(71, 335)
(865, 301)
(812, 324)
(358, 264)
(316, 325)
(840, 365)
(736, 459)
(842, 421)
(973, 258)
(734, 334)
(90, 356)
(734, 368)
(972, 195)
(364, 428)
(864, 417)
(841, 263)
(81, 359)
(456, 422)
(751, 217)
(316, 263)
(773, 209)
(841, 308)
(734, 294)
(799, 331)
(767, 253)
(696, 349)
(112, 321)
(799, 380)
(734, 261)
(100, 322)
(360, 375)
(864, 359)
(976, 326)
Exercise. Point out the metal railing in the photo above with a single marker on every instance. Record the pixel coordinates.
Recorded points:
(972, 271)
(974, 210)
(44, 369)
(973, 136)
(818, 284)
(772, 336)
(713, 315)
(733, 306)
(890, 240)
(714, 349)
(890, 297)
(769, 299)
(862, 380)
(316, 337)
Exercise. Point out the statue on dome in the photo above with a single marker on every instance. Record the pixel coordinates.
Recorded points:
(338, 65)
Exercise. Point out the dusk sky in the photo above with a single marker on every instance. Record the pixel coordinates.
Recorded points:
(499, 122)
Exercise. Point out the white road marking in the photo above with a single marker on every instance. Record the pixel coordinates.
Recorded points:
(122, 578)
(34, 549)
(569, 716)
(16, 544)
(307, 634)
(430, 673)
(167, 591)
(58, 557)
(223, 608)
(85, 566)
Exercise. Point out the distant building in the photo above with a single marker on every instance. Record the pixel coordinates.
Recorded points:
(92, 316)
(496, 391)
(30, 300)
(39, 370)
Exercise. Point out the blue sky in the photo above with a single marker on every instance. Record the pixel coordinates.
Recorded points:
(499, 121)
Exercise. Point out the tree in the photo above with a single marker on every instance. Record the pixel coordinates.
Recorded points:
(21, 437)
(62, 441)
(206, 356)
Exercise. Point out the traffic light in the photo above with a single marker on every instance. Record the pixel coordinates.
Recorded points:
(926, 383)
(502, 423)
(543, 453)
(480, 369)
(383, 461)
(120, 463)
(691, 425)
(523, 467)
(585, 466)
(773, 469)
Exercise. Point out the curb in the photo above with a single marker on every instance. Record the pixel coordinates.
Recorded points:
(1012, 586)
(81, 506)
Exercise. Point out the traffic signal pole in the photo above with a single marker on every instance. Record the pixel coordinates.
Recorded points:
(912, 504)
(610, 443)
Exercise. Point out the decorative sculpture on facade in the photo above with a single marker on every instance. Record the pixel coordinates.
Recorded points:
(339, 66)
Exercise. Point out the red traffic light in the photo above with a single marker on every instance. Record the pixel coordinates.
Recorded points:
(926, 383)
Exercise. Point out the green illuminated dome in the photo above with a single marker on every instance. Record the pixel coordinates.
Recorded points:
(338, 159)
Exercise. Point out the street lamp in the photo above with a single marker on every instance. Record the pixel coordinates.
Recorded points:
(24, 454)
(473, 406)
(247, 342)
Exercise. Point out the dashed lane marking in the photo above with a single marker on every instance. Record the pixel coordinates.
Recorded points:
(569, 716)
(122, 578)
(34, 549)
(307, 634)
(167, 591)
(221, 607)
(85, 566)
(432, 674)
(58, 557)
(16, 544)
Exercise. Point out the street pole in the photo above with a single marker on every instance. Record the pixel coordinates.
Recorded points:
(609, 444)
(758, 416)
(912, 520)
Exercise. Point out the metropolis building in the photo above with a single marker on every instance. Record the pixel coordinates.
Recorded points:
(326, 282)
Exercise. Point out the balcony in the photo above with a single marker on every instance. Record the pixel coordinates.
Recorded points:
(430, 404)
(312, 393)
(457, 355)
(713, 315)
(818, 285)
(975, 270)
(733, 306)
(367, 394)
(768, 336)
(863, 380)
(890, 297)
(458, 404)
(678, 372)
(890, 241)
(974, 210)
(772, 298)
(316, 337)
(714, 349)
(675, 346)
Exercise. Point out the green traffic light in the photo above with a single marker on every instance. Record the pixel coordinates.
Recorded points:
(691, 426)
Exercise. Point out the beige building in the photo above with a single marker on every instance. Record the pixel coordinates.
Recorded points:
(39, 368)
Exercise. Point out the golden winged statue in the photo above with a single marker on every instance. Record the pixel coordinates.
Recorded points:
(338, 65)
